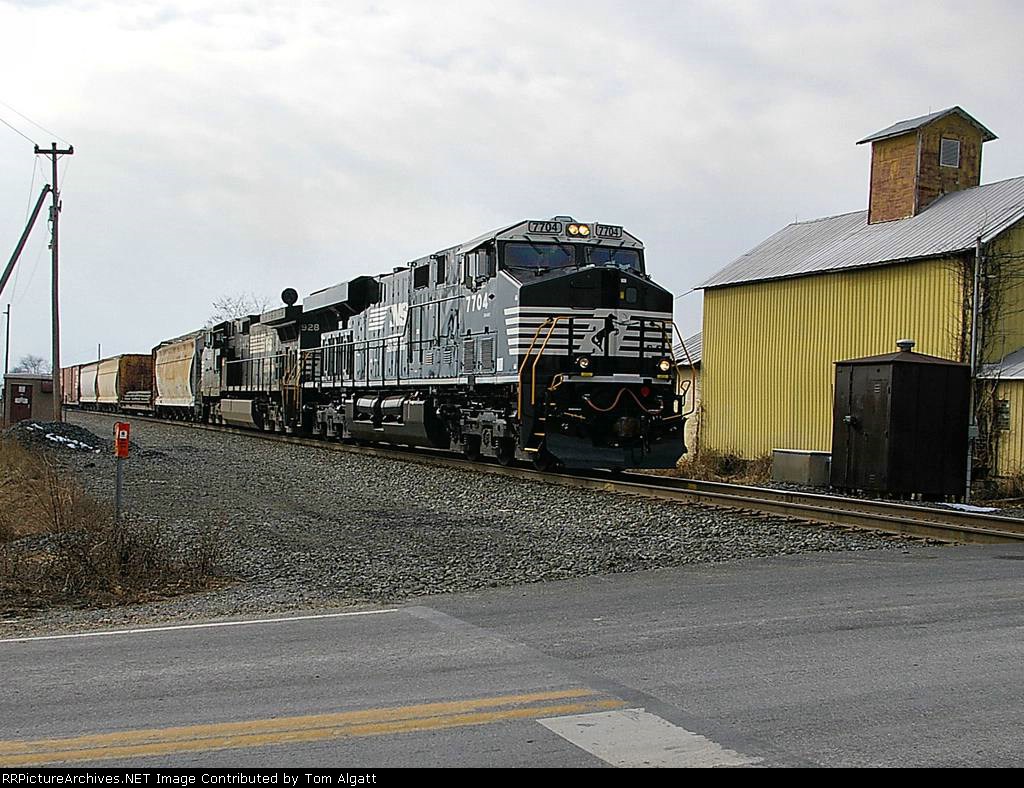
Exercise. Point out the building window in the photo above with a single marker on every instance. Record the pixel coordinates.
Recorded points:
(949, 153)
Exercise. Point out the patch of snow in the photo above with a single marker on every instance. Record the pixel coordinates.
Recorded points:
(69, 443)
(966, 507)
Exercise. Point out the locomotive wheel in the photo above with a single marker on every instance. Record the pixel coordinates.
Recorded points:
(505, 451)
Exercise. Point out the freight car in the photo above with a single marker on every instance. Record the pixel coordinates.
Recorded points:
(119, 383)
(176, 370)
(69, 385)
(542, 340)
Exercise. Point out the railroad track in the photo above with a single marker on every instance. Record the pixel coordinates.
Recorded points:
(924, 522)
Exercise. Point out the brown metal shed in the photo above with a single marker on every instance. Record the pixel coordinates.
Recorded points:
(27, 396)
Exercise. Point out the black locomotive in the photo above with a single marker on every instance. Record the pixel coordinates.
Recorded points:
(544, 341)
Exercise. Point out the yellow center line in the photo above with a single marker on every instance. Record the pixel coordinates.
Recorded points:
(258, 733)
(289, 723)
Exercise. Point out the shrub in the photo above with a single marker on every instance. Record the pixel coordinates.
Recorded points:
(57, 544)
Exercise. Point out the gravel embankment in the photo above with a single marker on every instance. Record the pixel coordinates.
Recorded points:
(304, 528)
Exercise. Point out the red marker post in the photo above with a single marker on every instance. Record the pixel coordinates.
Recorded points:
(122, 435)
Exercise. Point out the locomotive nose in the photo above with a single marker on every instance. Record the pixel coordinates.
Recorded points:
(602, 288)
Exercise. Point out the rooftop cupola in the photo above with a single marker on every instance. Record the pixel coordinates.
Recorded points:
(916, 161)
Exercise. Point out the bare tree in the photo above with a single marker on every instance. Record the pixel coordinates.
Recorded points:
(228, 307)
(35, 365)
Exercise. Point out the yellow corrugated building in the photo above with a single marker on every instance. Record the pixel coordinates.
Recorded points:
(778, 318)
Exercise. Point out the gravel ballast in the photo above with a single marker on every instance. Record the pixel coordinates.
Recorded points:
(303, 527)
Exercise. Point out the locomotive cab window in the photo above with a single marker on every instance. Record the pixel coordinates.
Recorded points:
(627, 259)
(441, 265)
(421, 276)
(538, 257)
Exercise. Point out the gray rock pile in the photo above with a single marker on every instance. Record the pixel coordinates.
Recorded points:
(56, 435)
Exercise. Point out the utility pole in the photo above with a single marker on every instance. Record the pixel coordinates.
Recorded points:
(7, 340)
(7, 358)
(53, 153)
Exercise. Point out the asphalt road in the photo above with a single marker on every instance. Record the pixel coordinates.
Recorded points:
(879, 658)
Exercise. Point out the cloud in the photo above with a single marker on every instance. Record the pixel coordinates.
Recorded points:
(237, 146)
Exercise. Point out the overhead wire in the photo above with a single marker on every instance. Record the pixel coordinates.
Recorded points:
(37, 125)
(18, 132)
(28, 210)
(31, 186)
(32, 275)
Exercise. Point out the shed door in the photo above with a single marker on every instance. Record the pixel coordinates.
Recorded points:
(870, 438)
(21, 403)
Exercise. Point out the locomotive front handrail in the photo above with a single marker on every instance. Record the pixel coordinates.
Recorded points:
(693, 373)
(522, 367)
(536, 360)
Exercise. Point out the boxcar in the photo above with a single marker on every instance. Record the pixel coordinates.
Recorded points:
(69, 384)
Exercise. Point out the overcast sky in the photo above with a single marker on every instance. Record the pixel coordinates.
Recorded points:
(223, 147)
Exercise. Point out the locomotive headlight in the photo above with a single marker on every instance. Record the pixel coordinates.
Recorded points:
(583, 362)
(573, 229)
(584, 230)
(664, 365)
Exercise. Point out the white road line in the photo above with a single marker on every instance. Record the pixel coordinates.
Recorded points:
(636, 738)
(210, 625)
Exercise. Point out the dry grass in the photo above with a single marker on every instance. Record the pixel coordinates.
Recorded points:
(60, 546)
(1003, 489)
(718, 466)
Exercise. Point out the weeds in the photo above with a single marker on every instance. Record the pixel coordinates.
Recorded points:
(58, 545)
(727, 466)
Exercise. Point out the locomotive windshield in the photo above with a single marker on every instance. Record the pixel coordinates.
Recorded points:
(543, 257)
(539, 256)
(608, 255)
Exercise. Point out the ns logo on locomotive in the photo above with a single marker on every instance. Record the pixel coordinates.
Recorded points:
(543, 341)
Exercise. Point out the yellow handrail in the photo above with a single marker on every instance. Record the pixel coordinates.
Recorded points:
(536, 360)
(693, 372)
(522, 367)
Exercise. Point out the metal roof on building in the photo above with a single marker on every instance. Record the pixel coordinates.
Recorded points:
(689, 352)
(1010, 368)
(951, 224)
(905, 126)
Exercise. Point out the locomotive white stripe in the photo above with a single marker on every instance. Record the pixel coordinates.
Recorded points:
(538, 320)
(586, 312)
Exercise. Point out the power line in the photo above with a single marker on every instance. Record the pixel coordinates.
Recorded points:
(32, 275)
(31, 186)
(16, 131)
(37, 125)
(28, 209)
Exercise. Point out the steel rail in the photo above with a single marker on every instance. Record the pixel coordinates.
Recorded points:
(917, 521)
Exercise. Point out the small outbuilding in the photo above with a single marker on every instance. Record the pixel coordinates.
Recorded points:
(900, 424)
(27, 396)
